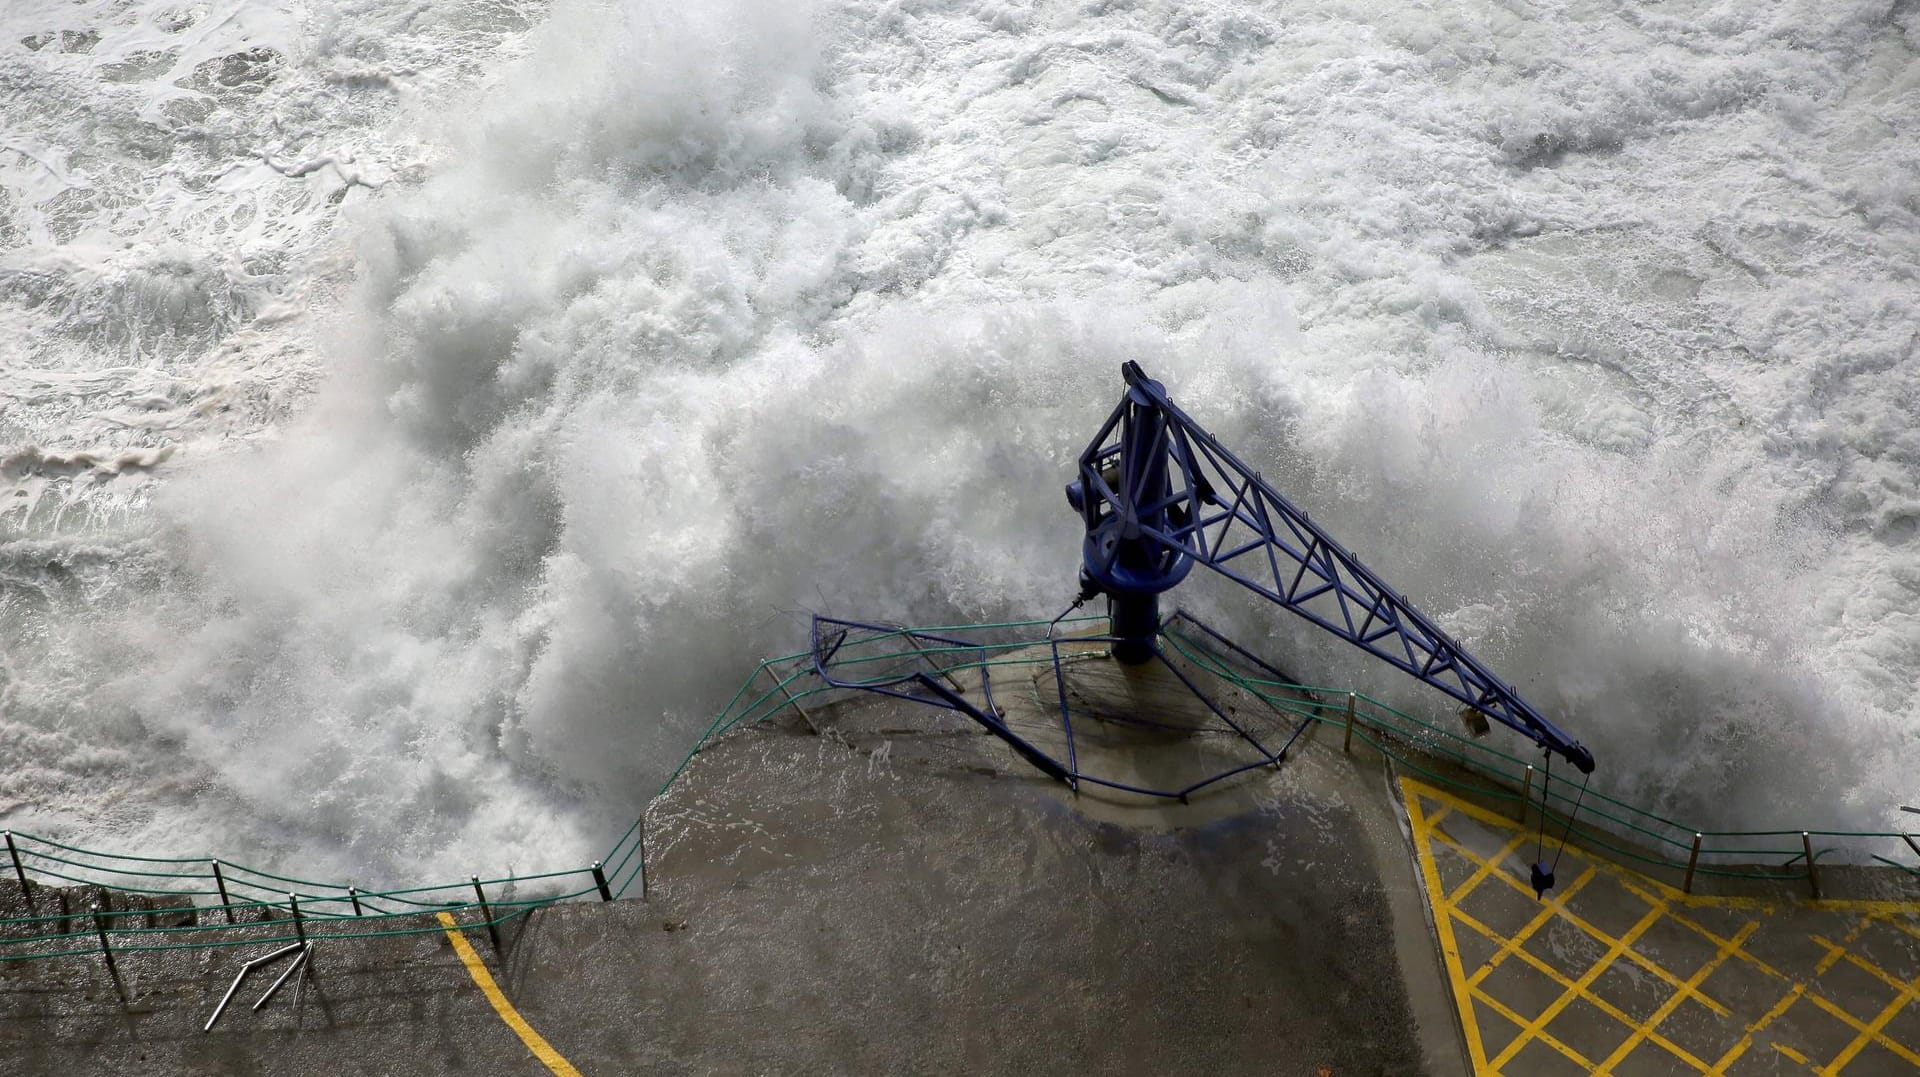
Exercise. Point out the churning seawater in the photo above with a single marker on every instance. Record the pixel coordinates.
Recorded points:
(416, 418)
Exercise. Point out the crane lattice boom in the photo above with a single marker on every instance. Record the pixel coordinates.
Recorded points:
(1159, 494)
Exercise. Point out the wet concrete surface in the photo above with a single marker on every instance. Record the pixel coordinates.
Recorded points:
(884, 888)
(894, 894)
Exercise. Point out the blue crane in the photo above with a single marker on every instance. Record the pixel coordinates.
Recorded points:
(1159, 494)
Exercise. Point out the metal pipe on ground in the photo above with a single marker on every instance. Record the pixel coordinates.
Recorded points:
(298, 963)
(242, 975)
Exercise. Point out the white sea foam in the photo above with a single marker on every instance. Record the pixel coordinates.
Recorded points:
(1593, 330)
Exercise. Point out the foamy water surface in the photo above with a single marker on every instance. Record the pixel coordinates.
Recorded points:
(415, 419)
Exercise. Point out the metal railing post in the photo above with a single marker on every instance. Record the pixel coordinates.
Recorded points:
(106, 951)
(1813, 872)
(353, 895)
(643, 853)
(1693, 859)
(794, 703)
(486, 913)
(219, 880)
(299, 923)
(18, 871)
(1526, 796)
(600, 880)
(1347, 745)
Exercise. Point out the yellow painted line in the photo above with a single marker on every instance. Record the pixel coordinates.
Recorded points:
(1426, 806)
(1556, 906)
(1578, 989)
(1507, 1012)
(1866, 1031)
(1560, 979)
(1793, 1054)
(1871, 1034)
(541, 1049)
(1873, 970)
(1443, 925)
(1624, 944)
(1733, 1053)
(1545, 916)
(1642, 1031)
(1489, 866)
(1620, 947)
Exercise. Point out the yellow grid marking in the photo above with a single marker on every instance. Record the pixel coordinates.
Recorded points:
(1643, 1032)
(1486, 867)
(1540, 919)
(1503, 1010)
(1866, 1033)
(1427, 807)
(1733, 1053)
(1660, 905)
(1531, 1029)
(1871, 1034)
(1872, 970)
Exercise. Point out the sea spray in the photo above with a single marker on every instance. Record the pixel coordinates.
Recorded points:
(1586, 331)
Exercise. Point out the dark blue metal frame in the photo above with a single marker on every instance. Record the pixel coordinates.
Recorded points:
(936, 694)
(1118, 557)
(932, 692)
(1220, 513)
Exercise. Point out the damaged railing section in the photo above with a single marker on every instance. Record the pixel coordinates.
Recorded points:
(302, 949)
(89, 904)
(863, 657)
(1625, 832)
(78, 902)
(923, 666)
(925, 674)
(83, 903)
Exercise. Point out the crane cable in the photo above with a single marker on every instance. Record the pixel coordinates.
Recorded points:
(1542, 872)
(1540, 839)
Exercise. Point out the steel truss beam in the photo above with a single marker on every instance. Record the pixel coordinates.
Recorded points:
(1224, 515)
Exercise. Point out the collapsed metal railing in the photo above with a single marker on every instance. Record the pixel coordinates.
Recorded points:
(939, 689)
(99, 904)
(201, 902)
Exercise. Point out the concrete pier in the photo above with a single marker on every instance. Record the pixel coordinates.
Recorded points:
(888, 889)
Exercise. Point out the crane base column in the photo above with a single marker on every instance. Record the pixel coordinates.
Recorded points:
(1136, 627)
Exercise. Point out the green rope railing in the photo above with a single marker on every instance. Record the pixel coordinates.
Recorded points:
(1490, 761)
(248, 901)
